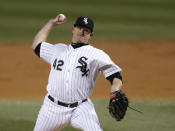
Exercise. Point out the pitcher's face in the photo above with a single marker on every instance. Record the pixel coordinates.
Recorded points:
(81, 34)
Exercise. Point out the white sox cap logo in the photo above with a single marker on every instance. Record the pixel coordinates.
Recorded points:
(85, 20)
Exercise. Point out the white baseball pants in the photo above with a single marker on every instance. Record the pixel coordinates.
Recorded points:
(54, 117)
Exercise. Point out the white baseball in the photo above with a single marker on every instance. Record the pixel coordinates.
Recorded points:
(61, 17)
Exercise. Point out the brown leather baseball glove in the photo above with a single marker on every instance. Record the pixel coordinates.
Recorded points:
(118, 105)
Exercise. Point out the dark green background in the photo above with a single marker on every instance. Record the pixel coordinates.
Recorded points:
(20, 20)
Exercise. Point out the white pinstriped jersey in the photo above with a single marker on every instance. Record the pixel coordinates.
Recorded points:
(74, 71)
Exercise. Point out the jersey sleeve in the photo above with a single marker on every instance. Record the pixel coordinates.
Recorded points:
(46, 51)
(107, 66)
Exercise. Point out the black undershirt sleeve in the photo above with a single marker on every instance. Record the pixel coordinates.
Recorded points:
(37, 50)
(115, 75)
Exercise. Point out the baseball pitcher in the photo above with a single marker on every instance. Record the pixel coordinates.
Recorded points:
(74, 69)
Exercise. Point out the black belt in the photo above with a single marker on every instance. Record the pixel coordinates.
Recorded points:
(71, 105)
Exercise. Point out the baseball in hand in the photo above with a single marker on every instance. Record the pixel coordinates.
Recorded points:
(61, 17)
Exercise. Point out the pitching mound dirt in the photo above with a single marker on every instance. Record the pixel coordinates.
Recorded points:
(148, 70)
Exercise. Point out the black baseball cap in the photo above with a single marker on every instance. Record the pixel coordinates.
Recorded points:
(84, 21)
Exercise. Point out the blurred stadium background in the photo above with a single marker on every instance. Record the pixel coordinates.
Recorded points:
(114, 19)
(146, 27)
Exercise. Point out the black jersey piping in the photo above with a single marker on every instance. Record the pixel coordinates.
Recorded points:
(78, 45)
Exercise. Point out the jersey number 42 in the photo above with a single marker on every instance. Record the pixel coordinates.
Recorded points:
(57, 64)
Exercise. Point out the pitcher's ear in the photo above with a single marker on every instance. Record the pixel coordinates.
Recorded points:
(73, 28)
(91, 34)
